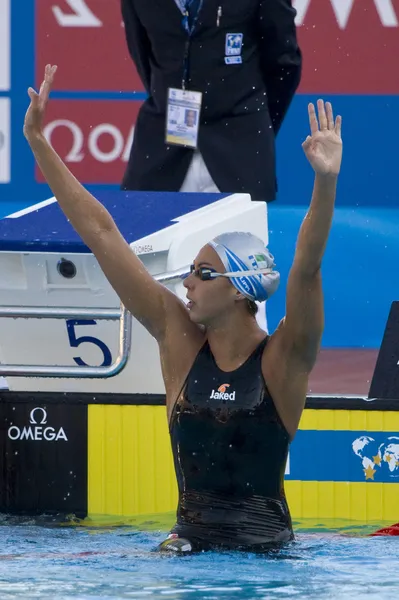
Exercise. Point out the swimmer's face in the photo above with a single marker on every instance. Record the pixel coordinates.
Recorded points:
(209, 300)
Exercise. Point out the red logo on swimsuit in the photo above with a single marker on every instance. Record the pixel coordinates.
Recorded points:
(222, 394)
(222, 388)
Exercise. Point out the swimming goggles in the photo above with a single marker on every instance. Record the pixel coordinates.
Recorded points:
(207, 273)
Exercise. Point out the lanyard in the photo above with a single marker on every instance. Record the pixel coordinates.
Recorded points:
(184, 6)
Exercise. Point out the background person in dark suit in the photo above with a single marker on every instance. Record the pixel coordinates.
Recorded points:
(243, 57)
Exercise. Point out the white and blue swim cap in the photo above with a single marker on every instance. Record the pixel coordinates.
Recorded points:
(243, 251)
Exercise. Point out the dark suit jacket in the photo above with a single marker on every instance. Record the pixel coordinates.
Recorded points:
(243, 104)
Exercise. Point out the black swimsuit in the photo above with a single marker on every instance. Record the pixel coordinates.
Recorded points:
(230, 449)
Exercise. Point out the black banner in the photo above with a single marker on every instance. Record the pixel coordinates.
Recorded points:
(43, 458)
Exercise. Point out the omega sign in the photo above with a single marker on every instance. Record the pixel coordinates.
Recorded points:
(37, 429)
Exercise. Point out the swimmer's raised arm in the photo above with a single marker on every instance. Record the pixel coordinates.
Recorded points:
(140, 293)
(297, 340)
(304, 320)
(323, 149)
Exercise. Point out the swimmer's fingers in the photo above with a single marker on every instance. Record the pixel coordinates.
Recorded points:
(338, 124)
(47, 83)
(330, 116)
(34, 98)
(333, 126)
(314, 126)
(39, 100)
(322, 115)
(307, 143)
(326, 118)
(35, 114)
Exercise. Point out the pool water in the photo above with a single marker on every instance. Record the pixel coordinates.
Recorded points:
(81, 562)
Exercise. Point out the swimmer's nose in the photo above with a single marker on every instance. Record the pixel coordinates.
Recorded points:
(189, 281)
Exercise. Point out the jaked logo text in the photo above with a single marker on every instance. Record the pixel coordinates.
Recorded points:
(222, 394)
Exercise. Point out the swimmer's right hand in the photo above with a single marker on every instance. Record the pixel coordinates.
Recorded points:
(33, 125)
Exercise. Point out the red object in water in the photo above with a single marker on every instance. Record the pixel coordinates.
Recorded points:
(392, 530)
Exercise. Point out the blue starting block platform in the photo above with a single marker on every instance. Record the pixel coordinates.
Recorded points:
(43, 227)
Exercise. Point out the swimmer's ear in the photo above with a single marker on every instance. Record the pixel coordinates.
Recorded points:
(239, 297)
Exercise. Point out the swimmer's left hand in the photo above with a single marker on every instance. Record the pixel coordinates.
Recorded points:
(323, 148)
(33, 125)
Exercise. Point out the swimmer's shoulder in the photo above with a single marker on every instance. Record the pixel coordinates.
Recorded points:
(281, 352)
(285, 377)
